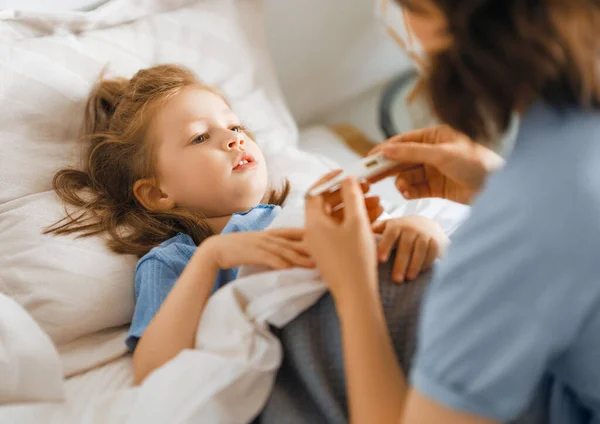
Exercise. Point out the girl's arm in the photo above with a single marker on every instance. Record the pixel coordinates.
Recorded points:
(173, 329)
(174, 326)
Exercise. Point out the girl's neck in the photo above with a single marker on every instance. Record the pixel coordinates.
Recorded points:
(217, 224)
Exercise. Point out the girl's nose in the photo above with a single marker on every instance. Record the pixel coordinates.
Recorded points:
(237, 142)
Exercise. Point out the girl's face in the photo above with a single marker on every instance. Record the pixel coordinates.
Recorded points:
(204, 160)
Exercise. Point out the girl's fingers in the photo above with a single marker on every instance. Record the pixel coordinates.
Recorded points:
(296, 246)
(288, 233)
(418, 257)
(432, 254)
(289, 255)
(403, 255)
(388, 240)
(272, 260)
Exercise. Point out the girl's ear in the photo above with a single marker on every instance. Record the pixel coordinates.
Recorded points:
(151, 197)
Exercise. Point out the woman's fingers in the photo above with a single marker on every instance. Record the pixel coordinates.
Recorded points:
(353, 199)
(418, 257)
(374, 213)
(326, 178)
(314, 207)
(335, 198)
(411, 152)
(406, 190)
(374, 209)
(403, 255)
(379, 227)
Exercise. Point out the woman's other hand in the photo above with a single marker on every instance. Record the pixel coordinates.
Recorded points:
(343, 249)
(447, 164)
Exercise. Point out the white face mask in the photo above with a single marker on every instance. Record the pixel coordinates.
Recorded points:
(398, 28)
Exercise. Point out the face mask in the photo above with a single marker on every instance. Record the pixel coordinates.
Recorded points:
(397, 26)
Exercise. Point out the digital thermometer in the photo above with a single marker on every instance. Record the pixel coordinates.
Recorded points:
(366, 169)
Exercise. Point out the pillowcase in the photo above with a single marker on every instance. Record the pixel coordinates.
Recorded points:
(73, 287)
(29, 364)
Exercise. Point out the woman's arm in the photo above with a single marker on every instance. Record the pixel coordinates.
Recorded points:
(345, 254)
(376, 384)
(377, 388)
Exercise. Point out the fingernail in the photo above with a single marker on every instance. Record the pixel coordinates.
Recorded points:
(383, 257)
(406, 194)
(399, 278)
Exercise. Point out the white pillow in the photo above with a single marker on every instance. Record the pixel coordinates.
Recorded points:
(48, 63)
(29, 364)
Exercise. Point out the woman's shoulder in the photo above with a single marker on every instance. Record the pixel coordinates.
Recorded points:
(555, 162)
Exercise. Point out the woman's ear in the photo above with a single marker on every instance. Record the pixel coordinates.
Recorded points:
(151, 197)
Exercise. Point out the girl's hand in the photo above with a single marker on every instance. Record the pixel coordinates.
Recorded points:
(279, 248)
(419, 240)
(343, 249)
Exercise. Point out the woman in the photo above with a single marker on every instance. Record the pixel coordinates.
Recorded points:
(516, 300)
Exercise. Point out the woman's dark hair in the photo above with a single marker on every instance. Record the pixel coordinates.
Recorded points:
(506, 54)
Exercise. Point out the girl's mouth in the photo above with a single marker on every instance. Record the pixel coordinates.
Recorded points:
(245, 161)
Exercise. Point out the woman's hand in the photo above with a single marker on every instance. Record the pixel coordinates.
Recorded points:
(279, 248)
(447, 164)
(335, 201)
(419, 240)
(343, 249)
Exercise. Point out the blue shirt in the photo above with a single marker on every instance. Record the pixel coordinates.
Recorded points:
(517, 299)
(157, 272)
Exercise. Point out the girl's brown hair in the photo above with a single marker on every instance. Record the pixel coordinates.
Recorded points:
(115, 120)
(506, 54)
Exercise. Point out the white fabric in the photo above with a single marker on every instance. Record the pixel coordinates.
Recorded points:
(29, 364)
(76, 290)
(226, 378)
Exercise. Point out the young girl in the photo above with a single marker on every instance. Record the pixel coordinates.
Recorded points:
(174, 177)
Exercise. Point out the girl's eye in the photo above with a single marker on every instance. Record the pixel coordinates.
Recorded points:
(238, 128)
(200, 139)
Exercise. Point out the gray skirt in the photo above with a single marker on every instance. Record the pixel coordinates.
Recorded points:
(310, 387)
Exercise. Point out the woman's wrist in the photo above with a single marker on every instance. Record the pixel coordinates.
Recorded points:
(356, 296)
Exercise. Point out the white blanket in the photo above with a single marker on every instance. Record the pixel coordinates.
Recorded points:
(225, 379)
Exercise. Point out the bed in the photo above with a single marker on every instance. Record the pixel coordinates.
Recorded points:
(59, 291)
